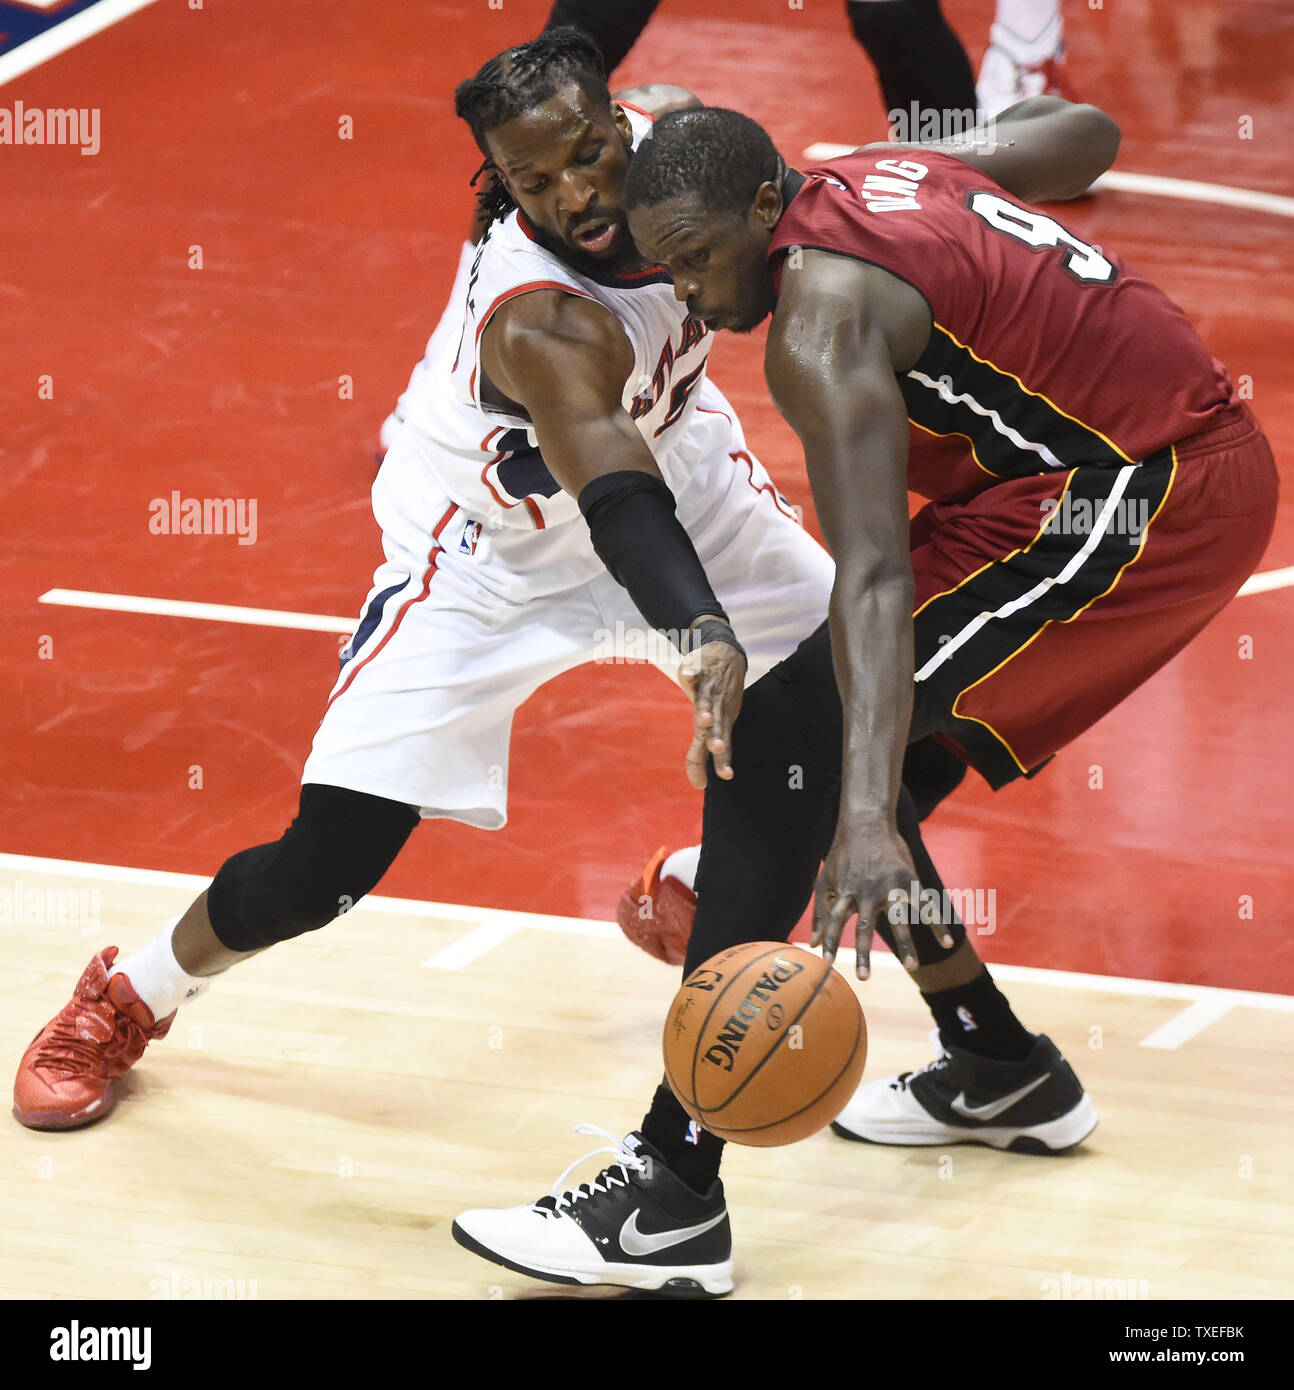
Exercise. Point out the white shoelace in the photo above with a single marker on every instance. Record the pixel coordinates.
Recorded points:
(623, 1158)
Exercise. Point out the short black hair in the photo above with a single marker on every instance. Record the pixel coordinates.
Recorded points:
(719, 155)
(518, 80)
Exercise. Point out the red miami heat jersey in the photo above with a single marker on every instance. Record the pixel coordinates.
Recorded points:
(1047, 353)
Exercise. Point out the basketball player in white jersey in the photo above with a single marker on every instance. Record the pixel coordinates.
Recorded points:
(565, 473)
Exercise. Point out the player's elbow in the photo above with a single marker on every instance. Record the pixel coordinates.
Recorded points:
(1100, 136)
(1093, 143)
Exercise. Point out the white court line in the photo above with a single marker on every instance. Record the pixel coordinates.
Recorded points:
(1193, 191)
(1189, 189)
(321, 622)
(212, 612)
(66, 35)
(501, 927)
(1269, 579)
(579, 926)
(472, 946)
(1192, 1020)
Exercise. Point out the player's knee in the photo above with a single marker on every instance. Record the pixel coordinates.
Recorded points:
(333, 854)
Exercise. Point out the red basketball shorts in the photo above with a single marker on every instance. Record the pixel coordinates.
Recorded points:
(1043, 601)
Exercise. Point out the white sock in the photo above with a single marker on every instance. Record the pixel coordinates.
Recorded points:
(156, 975)
(1029, 30)
(682, 865)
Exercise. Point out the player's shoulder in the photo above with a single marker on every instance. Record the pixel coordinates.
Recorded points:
(552, 334)
(887, 177)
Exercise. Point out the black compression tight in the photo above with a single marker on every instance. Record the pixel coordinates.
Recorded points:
(918, 58)
(333, 853)
(767, 830)
(614, 25)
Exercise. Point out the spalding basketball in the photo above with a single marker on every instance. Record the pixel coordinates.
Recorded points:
(764, 1044)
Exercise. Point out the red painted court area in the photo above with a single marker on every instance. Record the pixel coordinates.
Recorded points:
(1139, 851)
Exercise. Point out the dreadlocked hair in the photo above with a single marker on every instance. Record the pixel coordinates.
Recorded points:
(518, 80)
(720, 156)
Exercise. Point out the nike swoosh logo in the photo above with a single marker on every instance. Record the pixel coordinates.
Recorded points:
(995, 1107)
(636, 1242)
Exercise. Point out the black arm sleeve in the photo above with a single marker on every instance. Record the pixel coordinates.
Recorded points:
(645, 548)
(614, 25)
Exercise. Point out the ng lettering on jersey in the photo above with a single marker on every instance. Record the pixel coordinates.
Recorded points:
(894, 187)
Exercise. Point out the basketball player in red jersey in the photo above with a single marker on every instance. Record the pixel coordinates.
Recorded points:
(1097, 490)
(1097, 493)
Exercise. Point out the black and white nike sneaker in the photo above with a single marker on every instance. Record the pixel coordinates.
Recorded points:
(1034, 1106)
(634, 1225)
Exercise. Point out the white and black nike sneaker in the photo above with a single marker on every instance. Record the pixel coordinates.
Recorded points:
(1034, 1106)
(634, 1225)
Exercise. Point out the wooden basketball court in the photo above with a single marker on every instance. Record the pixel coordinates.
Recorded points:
(312, 1125)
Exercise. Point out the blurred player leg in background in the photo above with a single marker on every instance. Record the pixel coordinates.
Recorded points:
(918, 58)
(1025, 56)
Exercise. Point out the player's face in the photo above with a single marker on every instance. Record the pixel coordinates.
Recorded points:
(564, 163)
(718, 261)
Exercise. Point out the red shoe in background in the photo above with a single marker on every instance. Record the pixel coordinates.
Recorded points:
(656, 912)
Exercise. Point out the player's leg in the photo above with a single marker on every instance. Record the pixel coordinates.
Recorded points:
(337, 848)
(613, 27)
(419, 720)
(1025, 56)
(1031, 640)
(918, 58)
(774, 581)
(668, 1174)
(765, 834)
(787, 746)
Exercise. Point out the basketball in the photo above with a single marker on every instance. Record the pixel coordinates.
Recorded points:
(764, 1044)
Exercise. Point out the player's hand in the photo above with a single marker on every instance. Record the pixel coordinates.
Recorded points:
(868, 872)
(713, 676)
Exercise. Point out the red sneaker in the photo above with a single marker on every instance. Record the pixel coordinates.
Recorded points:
(657, 913)
(65, 1078)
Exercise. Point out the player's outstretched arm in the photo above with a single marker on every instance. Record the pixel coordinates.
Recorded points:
(841, 331)
(564, 360)
(1042, 149)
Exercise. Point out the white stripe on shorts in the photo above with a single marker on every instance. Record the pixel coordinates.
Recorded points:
(1107, 513)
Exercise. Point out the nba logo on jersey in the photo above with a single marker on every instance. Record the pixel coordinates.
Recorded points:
(471, 534)
(693, 1133)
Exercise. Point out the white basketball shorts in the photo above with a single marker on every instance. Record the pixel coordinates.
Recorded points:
(464, 623)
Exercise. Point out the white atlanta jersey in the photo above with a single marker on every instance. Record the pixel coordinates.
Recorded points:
(491, 587)
(486, 459)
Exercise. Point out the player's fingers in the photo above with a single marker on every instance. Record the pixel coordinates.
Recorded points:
(940, 926)
(863, 946)
(720, 746)
(837, 920)
(727, 706)
(695, 762)
(823, 896)
(898, 906)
